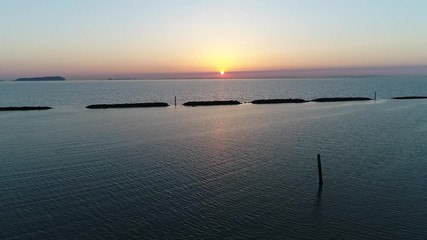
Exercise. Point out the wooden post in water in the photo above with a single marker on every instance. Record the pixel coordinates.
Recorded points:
(175, 101)
(319, 167)
(375, 96)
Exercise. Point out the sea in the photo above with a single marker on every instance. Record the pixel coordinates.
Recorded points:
(216, 172)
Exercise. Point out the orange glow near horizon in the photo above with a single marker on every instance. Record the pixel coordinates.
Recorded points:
(208, 38)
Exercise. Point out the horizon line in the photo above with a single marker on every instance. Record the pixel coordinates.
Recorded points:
(326, 72)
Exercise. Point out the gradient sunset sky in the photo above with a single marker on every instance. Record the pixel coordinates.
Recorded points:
(109, 38)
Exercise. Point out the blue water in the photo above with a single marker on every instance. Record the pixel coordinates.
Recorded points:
(77, 94)
(223, 172)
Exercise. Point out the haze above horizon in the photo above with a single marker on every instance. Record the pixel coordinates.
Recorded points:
(106, 39)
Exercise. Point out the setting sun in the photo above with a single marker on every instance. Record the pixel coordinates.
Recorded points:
(222, 72)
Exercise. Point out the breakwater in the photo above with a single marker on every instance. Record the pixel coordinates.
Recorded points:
(24, 108)
(410, 97)
(341, 99)
(128, 105)
(211, 103)
(275, 101)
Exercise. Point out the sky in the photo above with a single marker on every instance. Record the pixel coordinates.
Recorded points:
(98, 39)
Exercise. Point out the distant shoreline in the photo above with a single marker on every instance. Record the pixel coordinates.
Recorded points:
(178, 78)
(143, 78)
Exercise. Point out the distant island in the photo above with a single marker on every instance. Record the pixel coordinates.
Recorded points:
(50, 78)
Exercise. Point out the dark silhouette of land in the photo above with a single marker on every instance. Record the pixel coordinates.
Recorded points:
(211, 103)
(51, 78)
(25, 108)
(274, 101)
(341, 99)
(410, 97)
(128, 105)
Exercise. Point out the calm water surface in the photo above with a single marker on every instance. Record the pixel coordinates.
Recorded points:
(225, 172)
(78, 94)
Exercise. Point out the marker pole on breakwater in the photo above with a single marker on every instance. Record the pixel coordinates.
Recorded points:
(375, 96)
(175, 101)
(319, 167)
